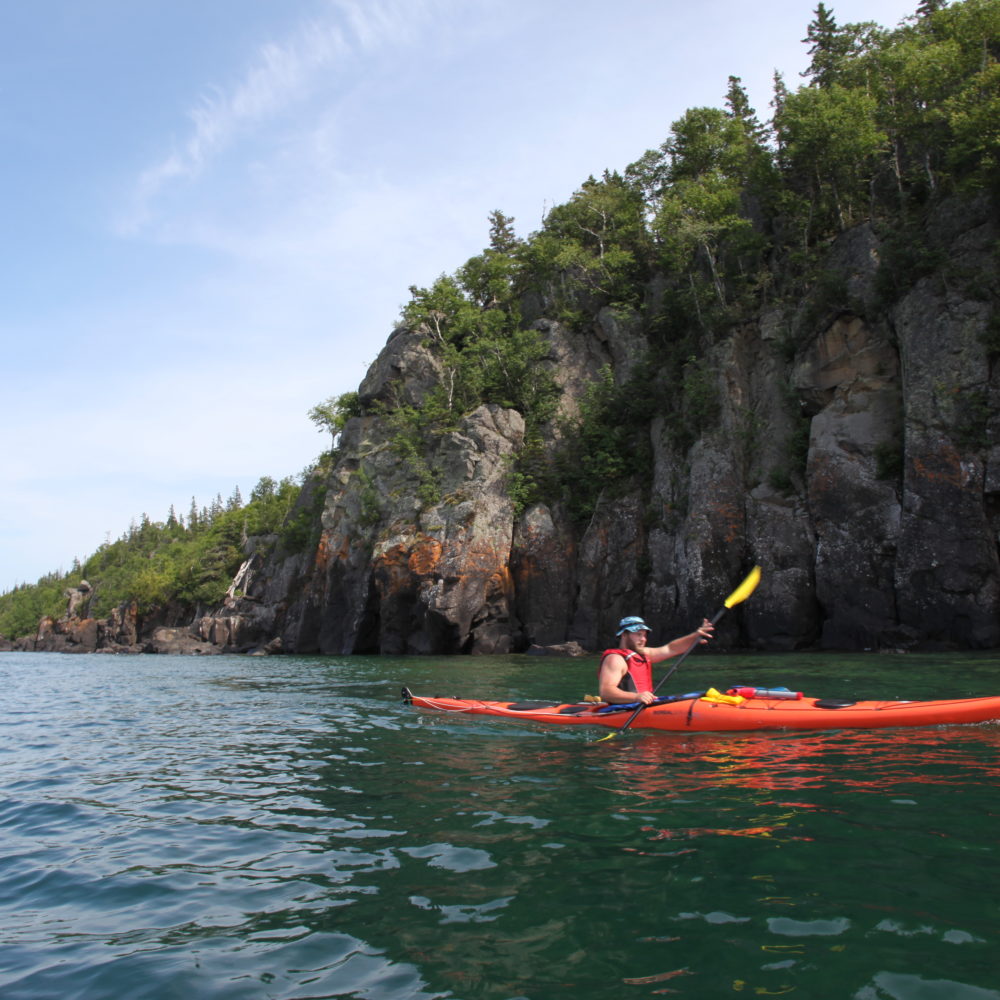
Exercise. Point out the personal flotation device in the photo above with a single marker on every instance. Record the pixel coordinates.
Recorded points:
(640, 670)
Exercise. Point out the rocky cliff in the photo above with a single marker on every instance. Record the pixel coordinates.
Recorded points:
(853, 453)
(761, 342)
(884, 536)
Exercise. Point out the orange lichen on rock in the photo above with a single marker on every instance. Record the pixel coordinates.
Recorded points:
(322, 552)
(941, 466)
(425, 556)
(731, 518)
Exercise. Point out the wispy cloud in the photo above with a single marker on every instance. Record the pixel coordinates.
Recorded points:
(280, 75)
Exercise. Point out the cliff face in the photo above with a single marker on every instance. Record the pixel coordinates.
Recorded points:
(855, 456)
(886, 535)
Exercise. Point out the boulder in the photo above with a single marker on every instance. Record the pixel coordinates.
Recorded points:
(558, 649)
(62, 636)
(178, 641)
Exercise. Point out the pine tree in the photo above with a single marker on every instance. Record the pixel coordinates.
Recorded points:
(778, 102)
(738, 109)
(825, 50)
(502, 236)
(780, 93)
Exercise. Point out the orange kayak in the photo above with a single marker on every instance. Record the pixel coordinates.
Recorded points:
(696, 713)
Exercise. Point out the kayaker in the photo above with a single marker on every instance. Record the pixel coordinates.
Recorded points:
(626, 672)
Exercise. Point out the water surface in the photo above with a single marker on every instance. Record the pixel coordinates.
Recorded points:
(286, 828)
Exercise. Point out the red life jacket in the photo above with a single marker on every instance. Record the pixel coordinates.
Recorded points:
(640, 670)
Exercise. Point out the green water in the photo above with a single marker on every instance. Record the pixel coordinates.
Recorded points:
(285, 828)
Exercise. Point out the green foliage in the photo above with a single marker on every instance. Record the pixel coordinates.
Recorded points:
(411, 431)
(371, 506)
(831, 142)
(700, 405)
(333, 413)
(488, 280)
(602, 448)
(702, 180)
(974, 118)
(169, 564)
(523, 490)
(594, 248)
(826, 49)
(472, 321)
(702, 233)
(906, 256)
(23, 607)
(738, 109)
(607, 448)
(828, 295)
(710, 142)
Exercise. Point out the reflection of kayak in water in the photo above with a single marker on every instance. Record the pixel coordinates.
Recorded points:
(710, 712)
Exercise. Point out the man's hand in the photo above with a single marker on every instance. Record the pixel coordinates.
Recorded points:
(705, 631)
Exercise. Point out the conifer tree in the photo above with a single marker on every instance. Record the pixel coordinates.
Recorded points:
(502, 236)
(778, 104)
(824, 35)
(738, 109)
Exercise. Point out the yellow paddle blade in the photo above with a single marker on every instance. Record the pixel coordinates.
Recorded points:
(745, 589)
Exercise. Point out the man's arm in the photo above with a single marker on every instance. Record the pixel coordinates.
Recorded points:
(677, 646)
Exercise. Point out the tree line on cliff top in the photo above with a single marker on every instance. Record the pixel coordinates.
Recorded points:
(727, 215)
(183, 563)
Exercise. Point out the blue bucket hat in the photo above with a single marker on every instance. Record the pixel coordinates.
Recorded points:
(632, 624)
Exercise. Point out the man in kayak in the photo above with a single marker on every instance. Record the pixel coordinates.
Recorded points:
(626, 672)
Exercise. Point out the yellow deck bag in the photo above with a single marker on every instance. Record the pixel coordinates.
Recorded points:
(722, 699)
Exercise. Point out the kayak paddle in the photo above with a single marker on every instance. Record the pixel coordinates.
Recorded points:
(738, 596)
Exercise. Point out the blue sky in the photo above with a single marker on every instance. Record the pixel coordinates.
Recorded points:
(213, 209)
